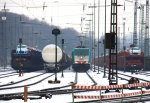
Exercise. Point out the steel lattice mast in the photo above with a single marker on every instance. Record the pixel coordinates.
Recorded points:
(135, 24)
(113, 74)
(141, 35)
(146, 44)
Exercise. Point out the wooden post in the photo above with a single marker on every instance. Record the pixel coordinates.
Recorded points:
(122, 93)
(141, 93)
(25, 93)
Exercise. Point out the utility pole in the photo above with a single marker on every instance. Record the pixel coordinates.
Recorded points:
(104, 76)
(4, 40)
(146, 44)
(98, 33)
(124, 19)
(63, 61)
(141, 35)
(20, 59)
(135, 24)
(94, 37)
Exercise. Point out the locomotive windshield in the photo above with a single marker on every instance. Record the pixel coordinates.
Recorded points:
(22, 50)
(82, 52)
(135, 50)
(22, 46)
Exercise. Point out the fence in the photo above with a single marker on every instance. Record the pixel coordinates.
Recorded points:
(122, 95)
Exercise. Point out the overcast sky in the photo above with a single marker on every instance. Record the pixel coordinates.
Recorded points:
(68, 13)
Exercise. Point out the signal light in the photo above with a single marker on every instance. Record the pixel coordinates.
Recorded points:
(110, 40)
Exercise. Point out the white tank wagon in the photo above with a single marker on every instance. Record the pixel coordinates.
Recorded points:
(48, 55)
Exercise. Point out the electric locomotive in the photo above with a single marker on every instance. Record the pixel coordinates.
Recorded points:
(26, 58)
(81, 59)
(130, 60)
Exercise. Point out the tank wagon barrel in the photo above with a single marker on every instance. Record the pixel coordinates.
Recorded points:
(48, 55)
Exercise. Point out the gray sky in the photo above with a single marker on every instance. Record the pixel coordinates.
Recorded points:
(68, 13)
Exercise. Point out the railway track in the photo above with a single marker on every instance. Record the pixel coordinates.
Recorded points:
(41, 93)
(126, 77)
(13, 86)
(78, 78)
(55, 90)
(94, 82)
(143, 73)
(8, 75)
(65, 89)
(21, 81)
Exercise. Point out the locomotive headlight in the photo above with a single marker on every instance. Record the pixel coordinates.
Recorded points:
(134, 65)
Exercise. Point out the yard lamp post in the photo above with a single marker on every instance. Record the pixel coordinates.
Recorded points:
(98, 57)
(20, 61)
(56, 32)
(62, 75)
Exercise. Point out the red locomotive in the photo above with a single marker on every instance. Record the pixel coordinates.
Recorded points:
(128, 60)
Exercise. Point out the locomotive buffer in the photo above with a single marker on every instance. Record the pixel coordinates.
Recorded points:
(111, 44)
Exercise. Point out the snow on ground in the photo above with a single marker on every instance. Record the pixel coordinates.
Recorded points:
(69, 77)
(55, 99)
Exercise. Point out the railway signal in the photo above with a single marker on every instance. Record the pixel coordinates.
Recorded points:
(20, 70)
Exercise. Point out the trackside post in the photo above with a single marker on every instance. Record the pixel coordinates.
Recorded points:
(141, 93)
(100, 95)
(72, 93)
(25, 93)
(122, 94)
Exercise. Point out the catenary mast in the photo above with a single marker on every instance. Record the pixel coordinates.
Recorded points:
(135, 24)
(146, 44)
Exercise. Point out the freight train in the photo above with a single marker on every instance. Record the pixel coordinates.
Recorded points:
(26, 58)
(30, 59)
(131, 59)
(81, 59)
(48, 55)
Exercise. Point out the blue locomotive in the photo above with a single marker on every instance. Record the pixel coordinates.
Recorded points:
(26, 58)
(81, 59)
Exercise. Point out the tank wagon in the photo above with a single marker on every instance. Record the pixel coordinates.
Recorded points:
(48, 55)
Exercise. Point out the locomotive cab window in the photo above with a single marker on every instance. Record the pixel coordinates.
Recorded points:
(81, 52)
